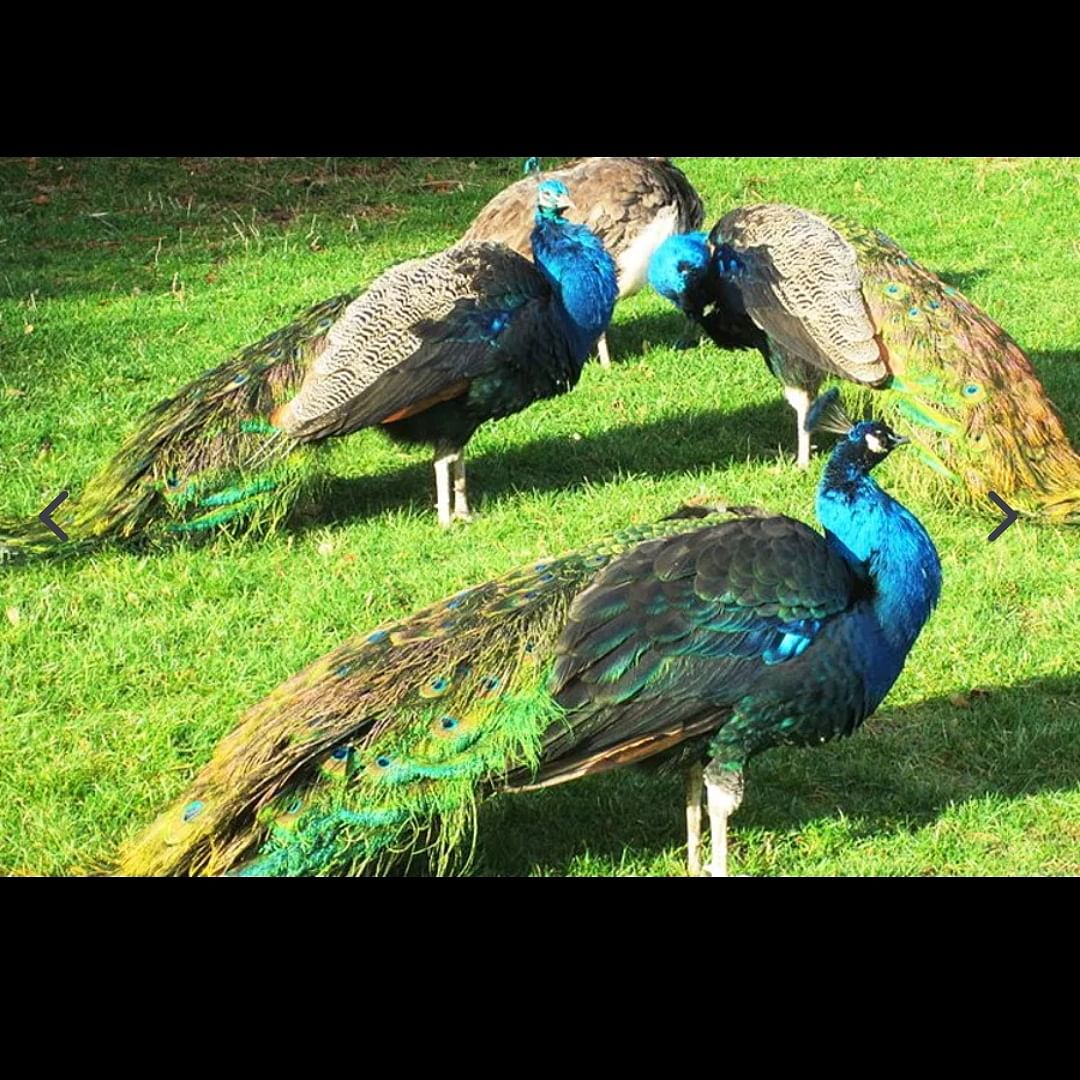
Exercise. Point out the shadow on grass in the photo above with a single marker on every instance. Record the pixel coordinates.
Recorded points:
(665, 447)
(673, 445)
(637, 336)
(900, 773)
(669, 446)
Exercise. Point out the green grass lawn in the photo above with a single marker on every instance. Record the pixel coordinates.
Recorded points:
(120, 280)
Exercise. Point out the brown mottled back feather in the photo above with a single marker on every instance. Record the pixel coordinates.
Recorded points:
(618, 198)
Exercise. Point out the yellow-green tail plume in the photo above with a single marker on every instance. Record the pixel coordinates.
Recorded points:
(380, 750)
(202, 460)
(963, 390)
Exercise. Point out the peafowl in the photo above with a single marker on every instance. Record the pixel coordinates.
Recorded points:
(821, 296)
(632, 204)
(683, 640)
(431, 350)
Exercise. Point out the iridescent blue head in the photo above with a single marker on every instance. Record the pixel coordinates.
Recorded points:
(865, 444)
(678, 265)
(552, 198)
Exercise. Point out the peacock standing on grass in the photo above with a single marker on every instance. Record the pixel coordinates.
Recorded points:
(688, 640)
(820, 296)
(632, 204)
(430, 351)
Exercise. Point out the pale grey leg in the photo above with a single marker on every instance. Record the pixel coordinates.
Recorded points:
(461, 502)
(693, 819)
(442, 488)
(724, 789)
(800, 400)
(602, 352)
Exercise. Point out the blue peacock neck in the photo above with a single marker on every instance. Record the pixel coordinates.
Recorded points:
(886, 541)
(582, 274)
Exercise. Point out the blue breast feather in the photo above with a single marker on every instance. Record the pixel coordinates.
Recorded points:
(574, 261)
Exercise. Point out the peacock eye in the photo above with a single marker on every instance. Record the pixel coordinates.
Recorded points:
(383, 762)
(192, 810)
(340, 753)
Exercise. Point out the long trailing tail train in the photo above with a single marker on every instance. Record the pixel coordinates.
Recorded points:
(200, 459)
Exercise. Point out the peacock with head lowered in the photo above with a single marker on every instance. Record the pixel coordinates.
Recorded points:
(819, 295)
(701, 643)
(427, 353)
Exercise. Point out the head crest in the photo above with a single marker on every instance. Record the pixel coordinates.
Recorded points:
(827, 414)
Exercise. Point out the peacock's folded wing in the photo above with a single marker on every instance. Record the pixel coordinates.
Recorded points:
(670, 638)
(800, 282)
(421, 334)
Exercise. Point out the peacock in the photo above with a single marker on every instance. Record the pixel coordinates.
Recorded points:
(632, 204)
(701, 638)
(819, 295)
(430, 351)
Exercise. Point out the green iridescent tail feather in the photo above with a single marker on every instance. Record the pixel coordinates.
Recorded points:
(963, 391)
(379, 752)
(203, 460)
